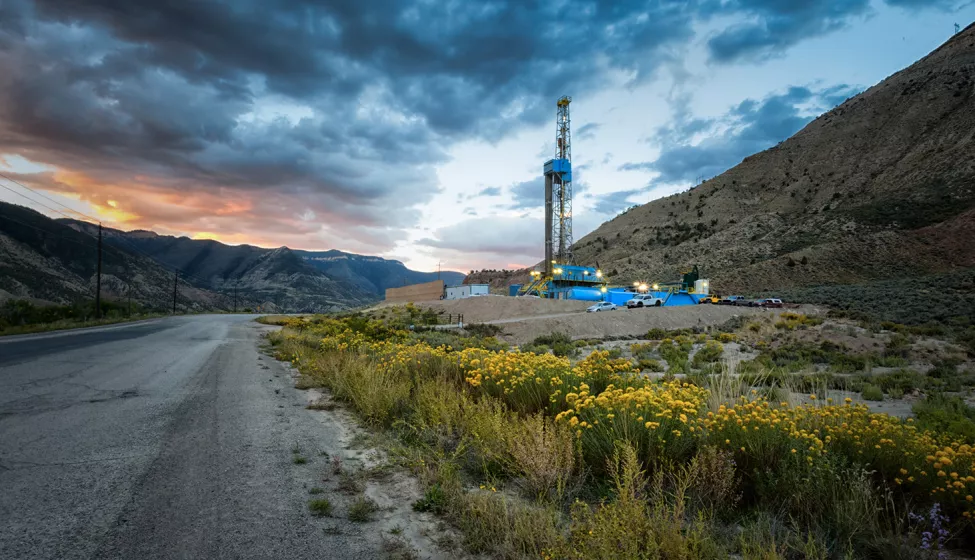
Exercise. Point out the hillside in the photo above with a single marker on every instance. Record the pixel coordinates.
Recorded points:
(882, 186)
(499, 280)
(278, 277)
(46, 261)
(291, 280)
(373, 274)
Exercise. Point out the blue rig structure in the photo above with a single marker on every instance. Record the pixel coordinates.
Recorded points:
(561, 279)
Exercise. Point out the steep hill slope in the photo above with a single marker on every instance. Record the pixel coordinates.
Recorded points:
(269, 276)
(46, 261)
(373, 274)
(882, 186)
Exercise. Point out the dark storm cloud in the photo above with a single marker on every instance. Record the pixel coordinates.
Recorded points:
(615, 202)
(641, 166)
(587, 131)
(531, 194)
(748, 128)
(342, 109)
(528, 194)
(775, 25)
(947, 5)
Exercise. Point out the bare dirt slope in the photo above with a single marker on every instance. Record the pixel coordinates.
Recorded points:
(483, 309)
(625, 323)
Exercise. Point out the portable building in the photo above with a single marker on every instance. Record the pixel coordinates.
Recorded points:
(466, 291)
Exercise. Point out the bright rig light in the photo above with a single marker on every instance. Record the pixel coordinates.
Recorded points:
(599, 274)
(642, 287)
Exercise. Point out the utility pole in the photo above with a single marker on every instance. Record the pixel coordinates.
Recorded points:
(98, 279)
(175, 283)
(438, 270)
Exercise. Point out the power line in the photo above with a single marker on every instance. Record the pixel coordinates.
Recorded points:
(49, 232)
(38, 193)
(36, 202)
(133, 249)
(81, 230)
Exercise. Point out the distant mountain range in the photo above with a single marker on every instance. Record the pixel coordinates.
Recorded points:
(54, 260)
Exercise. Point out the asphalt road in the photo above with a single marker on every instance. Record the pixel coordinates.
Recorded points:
(169, 438)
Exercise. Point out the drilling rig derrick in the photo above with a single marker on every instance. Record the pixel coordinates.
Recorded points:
(558, 193)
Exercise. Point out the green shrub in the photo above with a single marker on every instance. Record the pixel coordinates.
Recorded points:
(944, 414)
(362, 509)
(710, 353)
(320, 507)
(903, 380)
(726, 337)
(552, 339)
(895, 393)
(534, 349)
(483, 329)
(650, 365)
(643, 351)
(944, 368)
(872, 393)
(564, 349)
(434, 500)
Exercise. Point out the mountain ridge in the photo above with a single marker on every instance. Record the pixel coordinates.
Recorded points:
(881, 186)
(331, 280)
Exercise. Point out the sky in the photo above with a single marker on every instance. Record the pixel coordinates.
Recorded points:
(412, 129)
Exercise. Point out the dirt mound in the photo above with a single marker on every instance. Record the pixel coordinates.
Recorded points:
(483, 309)
(626, 322)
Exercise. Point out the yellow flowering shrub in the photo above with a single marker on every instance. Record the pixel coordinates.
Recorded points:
(527, 382)
(658, 419)
(602, 401)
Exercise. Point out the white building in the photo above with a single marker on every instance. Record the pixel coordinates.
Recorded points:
(466, 291)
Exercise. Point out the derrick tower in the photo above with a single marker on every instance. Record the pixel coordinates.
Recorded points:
(558, 192)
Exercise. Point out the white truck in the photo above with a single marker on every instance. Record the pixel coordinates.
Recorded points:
(644, 300)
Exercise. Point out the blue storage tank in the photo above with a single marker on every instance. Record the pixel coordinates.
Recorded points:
(680, 298)
(513, 289)
(585, 294)
(619, 297)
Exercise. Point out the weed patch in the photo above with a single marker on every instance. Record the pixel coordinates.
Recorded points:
(362, 510)
(320, 507)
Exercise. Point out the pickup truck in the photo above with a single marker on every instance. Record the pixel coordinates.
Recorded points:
(772, 303)
(644, 300)
(734, 300)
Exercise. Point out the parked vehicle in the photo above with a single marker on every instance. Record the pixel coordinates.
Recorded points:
(733, 300)
(601, 306)
(644, 300)
(709, 299)
(773, 303)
